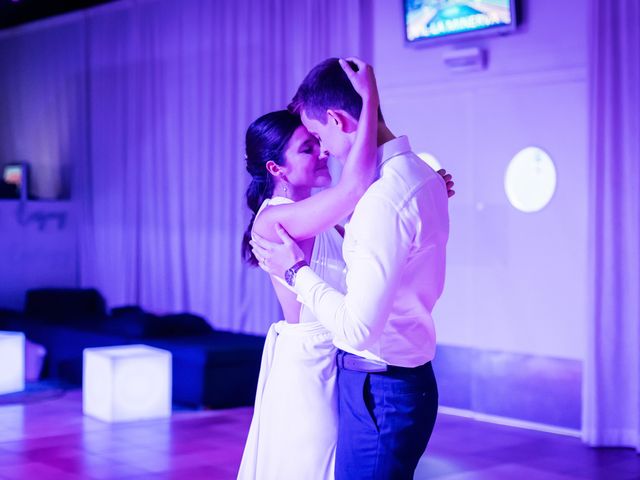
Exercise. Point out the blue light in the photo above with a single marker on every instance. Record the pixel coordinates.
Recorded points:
(451, 12)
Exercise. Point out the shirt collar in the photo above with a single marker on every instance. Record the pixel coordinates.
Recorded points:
(392, 148)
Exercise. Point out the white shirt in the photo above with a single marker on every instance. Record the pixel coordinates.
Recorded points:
(394, 249)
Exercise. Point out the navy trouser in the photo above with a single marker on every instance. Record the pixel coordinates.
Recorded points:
(385, 422)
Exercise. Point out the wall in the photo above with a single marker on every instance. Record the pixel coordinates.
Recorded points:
(512, 319)
(41, 122)
(37, 248)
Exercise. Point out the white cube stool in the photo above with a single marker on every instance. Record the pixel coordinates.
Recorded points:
(11, 362)
(129, 382)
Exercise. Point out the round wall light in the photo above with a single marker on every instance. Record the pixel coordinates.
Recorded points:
(430, 160)
(530, 180)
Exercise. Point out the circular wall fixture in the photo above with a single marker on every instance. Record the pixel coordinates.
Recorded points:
(430, 160)
(530, 180)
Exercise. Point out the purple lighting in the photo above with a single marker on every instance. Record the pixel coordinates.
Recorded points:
(123, 172)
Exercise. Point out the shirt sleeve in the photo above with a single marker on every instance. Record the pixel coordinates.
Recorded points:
(377, 244)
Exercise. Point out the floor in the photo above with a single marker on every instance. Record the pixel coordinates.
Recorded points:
(45, 436)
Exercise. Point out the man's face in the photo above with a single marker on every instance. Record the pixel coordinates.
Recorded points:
(330, 135)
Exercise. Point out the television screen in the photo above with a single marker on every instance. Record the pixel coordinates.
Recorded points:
(14, 181)
(13, 174)
(438, 19)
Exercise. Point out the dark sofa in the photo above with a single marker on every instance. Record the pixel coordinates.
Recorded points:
(211, 368)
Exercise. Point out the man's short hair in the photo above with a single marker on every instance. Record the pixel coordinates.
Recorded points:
(326, 87)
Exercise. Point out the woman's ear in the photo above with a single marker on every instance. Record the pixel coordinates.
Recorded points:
(274, 169)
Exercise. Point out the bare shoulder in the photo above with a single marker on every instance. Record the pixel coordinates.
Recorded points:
(264, 224)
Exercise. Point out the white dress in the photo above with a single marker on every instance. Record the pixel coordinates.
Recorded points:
(294, 428)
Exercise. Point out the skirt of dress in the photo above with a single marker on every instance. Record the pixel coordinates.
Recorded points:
(294, 428)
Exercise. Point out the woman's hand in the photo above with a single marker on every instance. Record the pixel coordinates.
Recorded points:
(448, 180)
(363, 80)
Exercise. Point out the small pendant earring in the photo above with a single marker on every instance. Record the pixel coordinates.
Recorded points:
(285, 189)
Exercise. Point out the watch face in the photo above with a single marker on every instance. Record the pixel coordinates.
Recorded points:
(289, 276)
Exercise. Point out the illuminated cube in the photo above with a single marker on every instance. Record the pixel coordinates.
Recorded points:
(11, 362)
(129, 382)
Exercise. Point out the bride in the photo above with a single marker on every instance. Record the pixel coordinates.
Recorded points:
(293, 432)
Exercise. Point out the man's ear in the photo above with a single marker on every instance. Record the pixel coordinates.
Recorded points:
(342, 120)
(274, 169)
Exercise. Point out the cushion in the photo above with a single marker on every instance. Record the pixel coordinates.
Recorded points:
(128, 321)
(134, 322)
(78, 307)
(179, 325)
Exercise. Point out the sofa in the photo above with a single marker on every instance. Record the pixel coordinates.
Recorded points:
(211, 368)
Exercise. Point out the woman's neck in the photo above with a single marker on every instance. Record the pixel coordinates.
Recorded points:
(292, 193)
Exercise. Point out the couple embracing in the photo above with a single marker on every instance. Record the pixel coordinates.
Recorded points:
(346, 388)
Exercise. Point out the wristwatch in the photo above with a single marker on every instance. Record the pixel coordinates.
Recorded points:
(290, 275)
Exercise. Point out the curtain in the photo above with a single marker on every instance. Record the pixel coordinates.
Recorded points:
(170, 87)
(42, 102)
(611, 407)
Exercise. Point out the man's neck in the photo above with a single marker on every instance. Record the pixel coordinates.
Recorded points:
(384, 134)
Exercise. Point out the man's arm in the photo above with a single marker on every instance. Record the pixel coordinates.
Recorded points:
(381, 244)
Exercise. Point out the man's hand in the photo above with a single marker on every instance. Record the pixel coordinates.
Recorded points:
(448, 179)
(276, 258)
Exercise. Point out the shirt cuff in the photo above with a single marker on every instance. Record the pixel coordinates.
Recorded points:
(306, 280)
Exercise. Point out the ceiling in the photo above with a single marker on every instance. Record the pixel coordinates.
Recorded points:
(17, 12)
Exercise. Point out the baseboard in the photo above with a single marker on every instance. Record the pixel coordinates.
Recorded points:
(539, 392)
(510, 422)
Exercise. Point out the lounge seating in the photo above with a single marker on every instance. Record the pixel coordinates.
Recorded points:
(211, 368)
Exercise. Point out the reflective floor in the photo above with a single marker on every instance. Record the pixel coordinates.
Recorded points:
(47, 437)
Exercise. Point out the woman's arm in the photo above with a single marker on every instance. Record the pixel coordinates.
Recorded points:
(306, 218)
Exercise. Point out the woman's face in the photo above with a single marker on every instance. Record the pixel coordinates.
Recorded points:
(306, 166)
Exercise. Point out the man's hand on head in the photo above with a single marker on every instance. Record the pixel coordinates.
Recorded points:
(448, 179)
(273, 257)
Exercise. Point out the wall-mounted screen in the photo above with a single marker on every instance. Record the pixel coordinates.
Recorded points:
(14, 174)
(432, 21)
(15, 181)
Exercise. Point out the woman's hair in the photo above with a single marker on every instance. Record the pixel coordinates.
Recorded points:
(267, 139)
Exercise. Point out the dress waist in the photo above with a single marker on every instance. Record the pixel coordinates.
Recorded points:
(300, 329)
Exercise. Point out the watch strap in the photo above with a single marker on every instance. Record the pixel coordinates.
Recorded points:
(290, 274)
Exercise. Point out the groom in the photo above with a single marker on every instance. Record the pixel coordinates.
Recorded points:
(394, 248)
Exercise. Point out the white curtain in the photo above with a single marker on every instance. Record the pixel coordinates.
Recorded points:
(611, 413)
(42, 101)
(169, 88)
